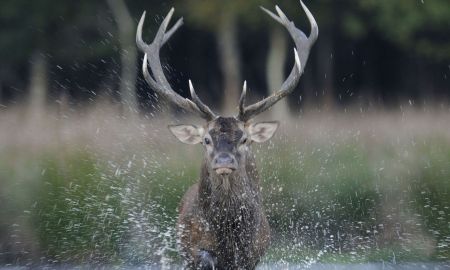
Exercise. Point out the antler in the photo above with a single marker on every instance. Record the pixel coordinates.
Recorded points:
(158, 81)
(303, 45)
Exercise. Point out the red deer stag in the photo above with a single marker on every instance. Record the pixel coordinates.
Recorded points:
(222, 224)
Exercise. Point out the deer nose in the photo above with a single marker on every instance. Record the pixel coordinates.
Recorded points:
(224, 161)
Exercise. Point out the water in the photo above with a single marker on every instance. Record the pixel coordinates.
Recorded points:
(343, 195)
(318, 266)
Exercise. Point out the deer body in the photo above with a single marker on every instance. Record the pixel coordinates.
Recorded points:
(224, 214)
(222, 224)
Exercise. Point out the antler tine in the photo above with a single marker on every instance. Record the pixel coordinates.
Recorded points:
(139, 41)
(158, 82)
(242, 100)
(147, 76)
(172, 30)
(302, 48)
(162, 28)
(314, 28)
(203, 108)
(281, 15)
(271, 14)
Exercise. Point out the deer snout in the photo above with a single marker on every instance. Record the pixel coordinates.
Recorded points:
(224, 163)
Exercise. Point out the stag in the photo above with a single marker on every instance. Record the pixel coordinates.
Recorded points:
(221, 223)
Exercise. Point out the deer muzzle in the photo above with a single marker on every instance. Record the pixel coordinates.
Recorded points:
(224, 163)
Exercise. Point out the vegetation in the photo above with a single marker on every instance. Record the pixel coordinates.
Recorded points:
(85, 182)
(334, 193)
(369, 54)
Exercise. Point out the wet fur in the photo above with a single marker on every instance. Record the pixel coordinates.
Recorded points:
(224, 216)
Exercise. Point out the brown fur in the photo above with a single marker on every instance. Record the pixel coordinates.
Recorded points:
(224, 215)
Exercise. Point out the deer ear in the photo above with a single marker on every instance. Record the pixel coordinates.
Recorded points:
(263, 131)
(189, 134)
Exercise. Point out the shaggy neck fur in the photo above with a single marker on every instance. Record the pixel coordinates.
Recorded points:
(231, 205)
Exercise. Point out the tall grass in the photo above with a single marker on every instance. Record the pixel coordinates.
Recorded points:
(92, 187)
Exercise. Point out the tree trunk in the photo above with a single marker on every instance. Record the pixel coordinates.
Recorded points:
(128, 56)
(370, 100)
(38, 87)
(425, 84)
(275, 70)
(326, 69)
(229, 62)
(308, 95)
(1, 89)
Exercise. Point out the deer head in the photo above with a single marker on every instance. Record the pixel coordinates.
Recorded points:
(226, 139)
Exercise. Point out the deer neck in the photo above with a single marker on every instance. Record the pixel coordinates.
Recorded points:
(232, 192)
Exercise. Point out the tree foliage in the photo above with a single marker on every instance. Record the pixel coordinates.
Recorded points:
(81, 38)
(418, 26)
(34, 25)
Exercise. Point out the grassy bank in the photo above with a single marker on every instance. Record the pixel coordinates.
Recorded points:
(346, 188)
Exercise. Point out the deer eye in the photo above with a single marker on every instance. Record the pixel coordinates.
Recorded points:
(207, 141)
(244, 141)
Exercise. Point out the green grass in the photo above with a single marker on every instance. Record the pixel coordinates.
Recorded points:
(343, 200)
(292, 255)
(83, 208)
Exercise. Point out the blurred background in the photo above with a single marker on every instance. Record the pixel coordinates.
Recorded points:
(359, 172)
